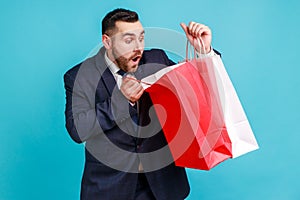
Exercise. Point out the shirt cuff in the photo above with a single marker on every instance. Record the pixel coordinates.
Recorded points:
(201, 55)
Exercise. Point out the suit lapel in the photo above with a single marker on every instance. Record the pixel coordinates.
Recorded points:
(108, 84)
(107, 77)
(109, 81)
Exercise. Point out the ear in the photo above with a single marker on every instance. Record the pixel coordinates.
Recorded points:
(106, 41)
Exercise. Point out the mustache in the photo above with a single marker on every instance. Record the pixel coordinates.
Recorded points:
(135, 55)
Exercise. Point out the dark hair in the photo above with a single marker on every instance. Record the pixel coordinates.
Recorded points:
(119, 14)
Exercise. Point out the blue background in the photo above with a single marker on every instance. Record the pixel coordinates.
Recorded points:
(41, 39)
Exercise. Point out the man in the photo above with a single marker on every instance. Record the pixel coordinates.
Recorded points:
(127, 156)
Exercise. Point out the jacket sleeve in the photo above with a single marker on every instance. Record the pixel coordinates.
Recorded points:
(87, 117)
(81, 116)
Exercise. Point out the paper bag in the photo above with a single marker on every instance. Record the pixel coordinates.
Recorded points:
(200, 113)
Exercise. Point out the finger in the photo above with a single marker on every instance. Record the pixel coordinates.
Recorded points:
(136, 88)
(136, 94)
(129, 77)
(205, 30)
(130, 85)
(192, 27)
(185, 28)
(191, 24)
(129, 81)
(127, 87)
(188, 35)
(140, 93)
(198, 31)
(195, 28)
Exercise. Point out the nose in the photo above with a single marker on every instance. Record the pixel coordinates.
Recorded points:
(139, 45)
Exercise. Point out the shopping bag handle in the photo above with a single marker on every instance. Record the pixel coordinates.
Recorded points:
(201, 45)
(202, 48)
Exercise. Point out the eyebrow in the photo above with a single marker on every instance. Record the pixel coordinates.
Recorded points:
(132, 34)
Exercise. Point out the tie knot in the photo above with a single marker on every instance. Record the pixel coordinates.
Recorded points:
(121, 72)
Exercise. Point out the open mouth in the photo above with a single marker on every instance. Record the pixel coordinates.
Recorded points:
(136, 58)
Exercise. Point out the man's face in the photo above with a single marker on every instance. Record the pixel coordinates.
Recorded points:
(127, 45)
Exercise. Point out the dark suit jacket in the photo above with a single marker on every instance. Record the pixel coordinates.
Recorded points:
(98, 114)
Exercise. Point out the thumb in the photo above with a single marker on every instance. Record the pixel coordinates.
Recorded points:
(185, 28)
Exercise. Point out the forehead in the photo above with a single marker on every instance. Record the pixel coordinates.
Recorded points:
(129, 27)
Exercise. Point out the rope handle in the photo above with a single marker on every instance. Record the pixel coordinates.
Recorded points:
(201, 46)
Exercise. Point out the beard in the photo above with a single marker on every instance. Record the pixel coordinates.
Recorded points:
(123, 62)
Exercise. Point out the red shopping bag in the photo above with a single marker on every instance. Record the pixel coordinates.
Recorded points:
(187, 103)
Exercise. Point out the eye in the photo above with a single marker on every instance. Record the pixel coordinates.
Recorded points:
(141, 39)
(128, 40)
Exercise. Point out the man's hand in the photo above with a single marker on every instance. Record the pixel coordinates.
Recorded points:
(195, 30)
(131, 88)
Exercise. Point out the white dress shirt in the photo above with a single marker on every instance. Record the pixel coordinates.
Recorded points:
(114, 70)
